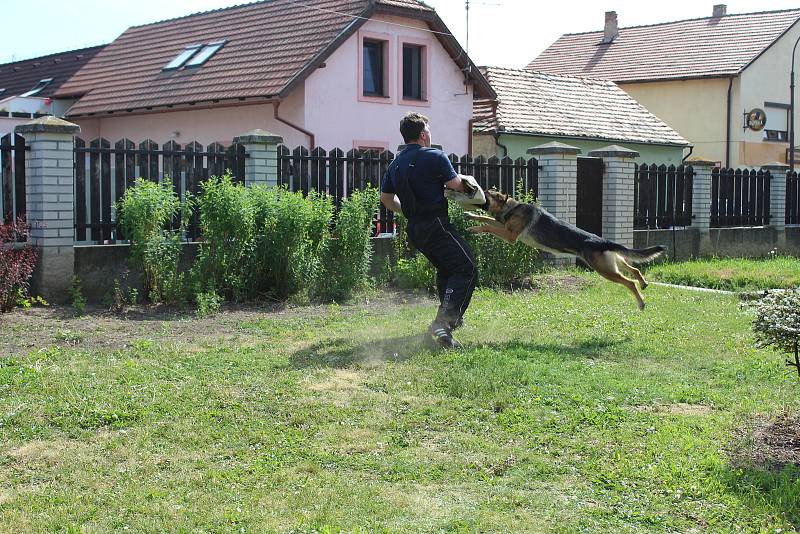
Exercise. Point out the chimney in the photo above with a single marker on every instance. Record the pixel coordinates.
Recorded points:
(610, 31)
(720, 10)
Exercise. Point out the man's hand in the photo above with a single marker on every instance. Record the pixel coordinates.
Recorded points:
(391, 202)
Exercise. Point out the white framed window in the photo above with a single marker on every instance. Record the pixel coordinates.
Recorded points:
(205, 54)
(183, 57)
(38, 88)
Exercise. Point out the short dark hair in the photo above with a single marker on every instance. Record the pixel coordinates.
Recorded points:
(412, 126)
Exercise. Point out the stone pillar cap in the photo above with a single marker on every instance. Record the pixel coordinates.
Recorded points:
(259, 136)
(613, 151)
(775, 165)
(48, 124)
(553, 147)
(700, 162)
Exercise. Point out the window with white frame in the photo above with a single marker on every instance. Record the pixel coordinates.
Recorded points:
(777, 125)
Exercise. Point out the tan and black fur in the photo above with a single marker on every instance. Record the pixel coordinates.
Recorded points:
(512, 220)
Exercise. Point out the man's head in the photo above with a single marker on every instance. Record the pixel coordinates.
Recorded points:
(414, 129)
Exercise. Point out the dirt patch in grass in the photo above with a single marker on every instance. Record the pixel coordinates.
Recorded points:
(678, 408)
(564, 282)
(100, 329)
(769, 443)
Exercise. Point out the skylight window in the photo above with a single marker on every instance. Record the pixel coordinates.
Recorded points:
(2, 90)
(183, 57)
(206, 53)
(39, 86)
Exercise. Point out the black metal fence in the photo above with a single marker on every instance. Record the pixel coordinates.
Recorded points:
(12, 176)
(337, 173)
(662, 196)
(103, 173)
(739, 197)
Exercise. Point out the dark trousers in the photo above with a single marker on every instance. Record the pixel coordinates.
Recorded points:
(456, 270)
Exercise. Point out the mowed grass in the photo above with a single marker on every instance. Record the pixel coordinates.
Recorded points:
(732, 274)
(568, 411)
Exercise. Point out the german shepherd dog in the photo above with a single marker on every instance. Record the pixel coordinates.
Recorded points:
(537, 228)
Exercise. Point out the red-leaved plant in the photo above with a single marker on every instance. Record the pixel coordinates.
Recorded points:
(17, 261)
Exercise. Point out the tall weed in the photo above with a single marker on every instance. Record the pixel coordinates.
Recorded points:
(346, 258)
(144, 214)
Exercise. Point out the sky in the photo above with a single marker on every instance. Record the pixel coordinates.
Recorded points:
(506, 33)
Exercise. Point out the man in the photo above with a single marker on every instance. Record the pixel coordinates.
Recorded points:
(414, 187)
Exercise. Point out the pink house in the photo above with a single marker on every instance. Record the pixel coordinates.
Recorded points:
(328, 73)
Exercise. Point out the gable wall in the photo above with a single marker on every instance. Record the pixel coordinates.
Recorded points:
(338, 118)
(696, 109)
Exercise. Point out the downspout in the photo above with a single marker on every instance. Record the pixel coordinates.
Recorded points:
(497, 142)
(311, 140)
(469, 138)
(728, 133)
(691, 149)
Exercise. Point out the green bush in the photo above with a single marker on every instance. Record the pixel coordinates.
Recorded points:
(208, 303)
(345, 259)
(144, 213)
(290, 231)
(227, 222)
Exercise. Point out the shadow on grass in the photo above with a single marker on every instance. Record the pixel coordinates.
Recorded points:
(347, 352)
(592, 349)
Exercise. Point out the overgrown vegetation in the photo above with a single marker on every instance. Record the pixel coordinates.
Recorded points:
(17, 262)
(145, 213)
(345, 259)
(732, 274)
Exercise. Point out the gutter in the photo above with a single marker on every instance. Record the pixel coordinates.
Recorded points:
(691, 149)
(311, 139)
(728, 126)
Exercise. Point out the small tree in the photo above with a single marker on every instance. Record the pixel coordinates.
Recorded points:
(777, 323)
(17, 261)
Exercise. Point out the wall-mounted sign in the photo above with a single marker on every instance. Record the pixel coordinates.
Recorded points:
(756, 119)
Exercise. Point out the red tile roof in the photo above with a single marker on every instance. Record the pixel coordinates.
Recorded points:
(271, 46)
(697, 48)
(22, 76)
(535, 103)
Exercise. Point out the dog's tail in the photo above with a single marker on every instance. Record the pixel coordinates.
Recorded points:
(641, 255)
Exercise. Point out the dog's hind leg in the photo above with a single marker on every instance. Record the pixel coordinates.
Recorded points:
(605, 263)
(636, 272)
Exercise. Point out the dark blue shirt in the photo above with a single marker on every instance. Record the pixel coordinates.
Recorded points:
(420, 187)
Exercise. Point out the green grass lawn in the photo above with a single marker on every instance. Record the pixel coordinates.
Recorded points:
(732, 274)
(568, 411)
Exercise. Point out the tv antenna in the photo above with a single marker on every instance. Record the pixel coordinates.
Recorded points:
(466, 9)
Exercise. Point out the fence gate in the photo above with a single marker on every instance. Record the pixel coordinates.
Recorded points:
(589, 206)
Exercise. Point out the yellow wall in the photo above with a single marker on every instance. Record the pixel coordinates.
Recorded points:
(767, 80)
(694, 108)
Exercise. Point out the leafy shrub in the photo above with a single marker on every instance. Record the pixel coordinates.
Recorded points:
(345, 259)
(289, 233)
(76, 296)
(208, 303)
(415, 273)
(145, 211)
(777, 322)
(17, 262)
(227, 220)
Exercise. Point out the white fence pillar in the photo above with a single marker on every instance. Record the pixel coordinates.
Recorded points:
(777, 194)
(558, 178)
(701, 193)
(619, 168)
(261, 165)
(50, 198)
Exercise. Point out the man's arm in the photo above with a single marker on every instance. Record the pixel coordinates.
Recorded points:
(391, 202)
(457, 184)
